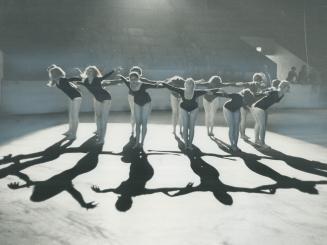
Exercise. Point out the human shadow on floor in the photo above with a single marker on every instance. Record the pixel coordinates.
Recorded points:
(209, 178)
(139, 174)
(282, 181)
(44, 190)
(49, 154)
(302, 164)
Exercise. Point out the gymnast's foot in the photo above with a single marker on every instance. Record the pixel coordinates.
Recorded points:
(264, 146)
(71, 137)
(68, 133)
(245, 137)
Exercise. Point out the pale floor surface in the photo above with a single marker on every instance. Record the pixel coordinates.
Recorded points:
(294, 214)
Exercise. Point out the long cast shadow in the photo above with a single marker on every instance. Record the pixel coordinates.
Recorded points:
(302, 164)
(209, 178)
(139, 174)
(282, 181)
(49, 154)
(44, 190)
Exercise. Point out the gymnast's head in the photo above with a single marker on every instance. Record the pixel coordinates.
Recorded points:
(215, 81)
(91, 72)
(222, 196)
(284, 87)
(136, 69)
(124, 203)
(134, 76)
(189, 84)
(257, 77)
(275, 83)
(55, 72)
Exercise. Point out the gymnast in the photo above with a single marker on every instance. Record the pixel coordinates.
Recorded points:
(92, 80)
(189, 107)
(211, 102)
(142, 103)
(231, 110)
(256, 86)
(58, 78)
(260, 114)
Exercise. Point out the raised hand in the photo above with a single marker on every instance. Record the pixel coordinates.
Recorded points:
(95, 188)
(90, 205)
(14, 185)
(118, 69)
(189, 185)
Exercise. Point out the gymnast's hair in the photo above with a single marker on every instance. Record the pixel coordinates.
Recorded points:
(93, 68)
(175, 79)
(275, 83)
(56, 71)
(134, 73)
(257, 77)
(215, 80)
(284, 84)
(136, 69)
(124, 203)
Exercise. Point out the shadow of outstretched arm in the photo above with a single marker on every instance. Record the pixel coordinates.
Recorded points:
(79, 198)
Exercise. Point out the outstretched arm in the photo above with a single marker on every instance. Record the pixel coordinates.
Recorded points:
(172, 88)
(163, 190)
(182, 191)
(97, 189)
(17, 185)
(107, 75)
(74, 79)
(112, 82)
(79, 198)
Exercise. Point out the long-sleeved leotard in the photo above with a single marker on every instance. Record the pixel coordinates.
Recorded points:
(95, 88)
(235, 103)
(271, 98)
(70, 89)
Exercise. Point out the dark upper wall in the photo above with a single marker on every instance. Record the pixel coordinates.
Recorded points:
(196, 37)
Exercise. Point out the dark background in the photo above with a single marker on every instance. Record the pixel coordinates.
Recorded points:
(191, 36)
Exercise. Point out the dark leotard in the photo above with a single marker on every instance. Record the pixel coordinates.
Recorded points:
(235, 103)
(187, 104)
(210, 96)
(253, 86)
(141, 97)
(95, 88)
(68, 88)
(179, 84)
(268, 100)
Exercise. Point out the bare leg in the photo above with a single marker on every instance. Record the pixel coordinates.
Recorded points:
(256, 126)
(229, 120)
(193, 117)
(174, 102)
(105, 108)
(70, 109)
(97, 115)
(146, 110)
(244, 113)
(131, 106)
(206, 107)
(138, 122)
(262, 119)
(76, 104)
(185, 121)
(236, 125)
(213, 110)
